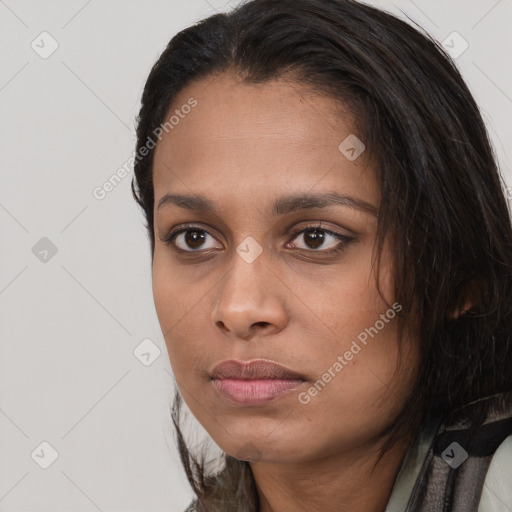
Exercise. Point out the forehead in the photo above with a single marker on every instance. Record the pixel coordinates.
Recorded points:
(255, 135)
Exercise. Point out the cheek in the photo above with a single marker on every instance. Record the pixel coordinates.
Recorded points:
(366, 392)
(347, 301)
(170, 303)
(358, 325)
(181, 308)
(173, 295)
(164, 293)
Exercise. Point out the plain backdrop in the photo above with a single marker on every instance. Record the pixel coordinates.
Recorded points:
(85, 380)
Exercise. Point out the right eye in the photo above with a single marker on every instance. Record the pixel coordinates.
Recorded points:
(189, 239)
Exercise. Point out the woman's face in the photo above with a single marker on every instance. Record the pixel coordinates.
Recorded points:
(247, 282)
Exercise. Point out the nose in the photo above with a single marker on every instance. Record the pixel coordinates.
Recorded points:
(248, 301)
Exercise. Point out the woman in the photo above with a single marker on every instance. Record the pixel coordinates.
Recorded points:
(331, 255)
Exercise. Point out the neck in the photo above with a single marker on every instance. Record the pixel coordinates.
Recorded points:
(343, 481)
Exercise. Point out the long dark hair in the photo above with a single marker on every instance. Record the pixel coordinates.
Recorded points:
(442, 202)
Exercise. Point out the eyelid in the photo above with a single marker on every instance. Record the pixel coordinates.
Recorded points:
(170, 236)
(320, 224)
(343, 240)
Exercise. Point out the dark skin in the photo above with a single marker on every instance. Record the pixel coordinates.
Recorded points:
(243, 147)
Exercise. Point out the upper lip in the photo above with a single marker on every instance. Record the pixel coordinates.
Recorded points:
(254, 369)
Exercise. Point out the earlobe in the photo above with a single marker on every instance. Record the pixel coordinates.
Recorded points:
(461, 311)
(469, 298)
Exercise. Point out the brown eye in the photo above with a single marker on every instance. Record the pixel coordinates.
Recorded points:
(191, 239)
(313, 238)
(194, 239)
(316, 237)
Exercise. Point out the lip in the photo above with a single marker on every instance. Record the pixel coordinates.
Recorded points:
(254, 382)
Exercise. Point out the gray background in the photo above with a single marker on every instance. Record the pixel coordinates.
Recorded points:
(71, 321)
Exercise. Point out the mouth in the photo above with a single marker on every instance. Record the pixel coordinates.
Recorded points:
(254, 382)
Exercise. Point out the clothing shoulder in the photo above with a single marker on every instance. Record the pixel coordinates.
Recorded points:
(497, 490)
(469, 464)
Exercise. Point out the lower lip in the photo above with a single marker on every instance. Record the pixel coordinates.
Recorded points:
(255, 392)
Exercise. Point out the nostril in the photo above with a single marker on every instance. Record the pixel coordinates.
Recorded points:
(220, 325)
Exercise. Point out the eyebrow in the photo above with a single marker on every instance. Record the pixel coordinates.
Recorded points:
(281, 206)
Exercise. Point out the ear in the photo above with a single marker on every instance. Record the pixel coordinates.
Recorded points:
(460, 311)
(469, 298)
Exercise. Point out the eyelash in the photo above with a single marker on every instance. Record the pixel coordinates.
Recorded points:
(343, 239)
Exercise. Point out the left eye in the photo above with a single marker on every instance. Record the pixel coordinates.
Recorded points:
(314, 237)
(191, 239)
